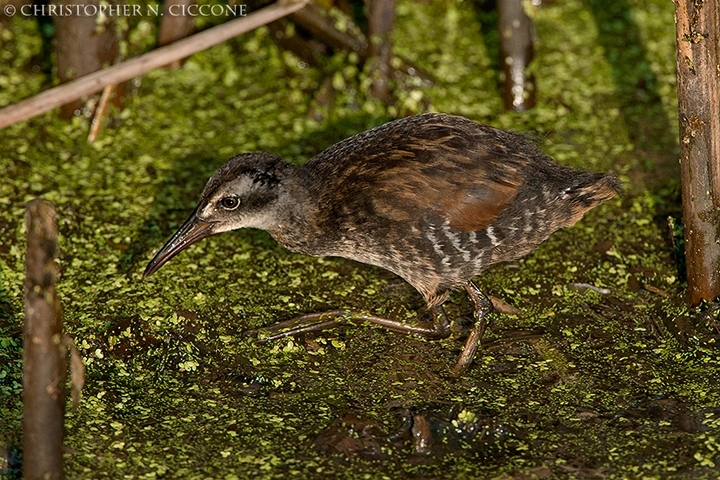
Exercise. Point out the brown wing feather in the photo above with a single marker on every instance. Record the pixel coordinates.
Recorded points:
(441, 165)
(475, 208)
(465, 197)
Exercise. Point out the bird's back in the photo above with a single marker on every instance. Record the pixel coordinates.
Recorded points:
(438, 198)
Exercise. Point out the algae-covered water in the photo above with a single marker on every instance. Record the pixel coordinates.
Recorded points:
(604, 373)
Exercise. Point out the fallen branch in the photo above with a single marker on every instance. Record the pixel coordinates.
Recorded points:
(121, 72)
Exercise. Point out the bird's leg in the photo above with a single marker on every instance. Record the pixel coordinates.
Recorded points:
(483, 307)
(311, 322)
(302, 324)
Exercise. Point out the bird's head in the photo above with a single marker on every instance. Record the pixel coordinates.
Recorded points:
(242, 193)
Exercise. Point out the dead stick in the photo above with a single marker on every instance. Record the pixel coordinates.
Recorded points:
(43, 359)
(126, 70)
(322, 26)
(317, 21)
(96, 122)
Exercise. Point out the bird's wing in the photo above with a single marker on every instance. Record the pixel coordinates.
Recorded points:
(469, 189)
(432, 165)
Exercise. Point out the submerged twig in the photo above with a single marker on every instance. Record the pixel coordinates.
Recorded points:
(581, 287)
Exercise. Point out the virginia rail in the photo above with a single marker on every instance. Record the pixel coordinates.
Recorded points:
(434, 198)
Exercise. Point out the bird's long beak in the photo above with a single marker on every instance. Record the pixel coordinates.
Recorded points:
(193, 230)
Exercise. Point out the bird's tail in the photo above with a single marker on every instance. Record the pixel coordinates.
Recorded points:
(590, 191)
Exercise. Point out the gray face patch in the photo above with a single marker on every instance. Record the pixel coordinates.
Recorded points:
(246, 196)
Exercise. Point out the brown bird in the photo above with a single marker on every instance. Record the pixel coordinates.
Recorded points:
(434, 198)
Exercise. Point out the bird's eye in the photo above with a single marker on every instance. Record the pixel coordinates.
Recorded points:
(229, 203)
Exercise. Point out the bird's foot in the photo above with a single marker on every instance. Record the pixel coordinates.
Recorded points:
(483, 307)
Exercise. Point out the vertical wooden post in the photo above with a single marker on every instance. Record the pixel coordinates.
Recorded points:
(698, 68)
(44, 357)
(175, 26)
(381, 21)
(516, 53)
(84, 45)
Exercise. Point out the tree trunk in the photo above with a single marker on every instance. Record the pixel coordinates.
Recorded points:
(516, 53)
(698, 70)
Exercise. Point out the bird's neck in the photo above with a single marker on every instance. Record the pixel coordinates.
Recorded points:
(293, 213)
